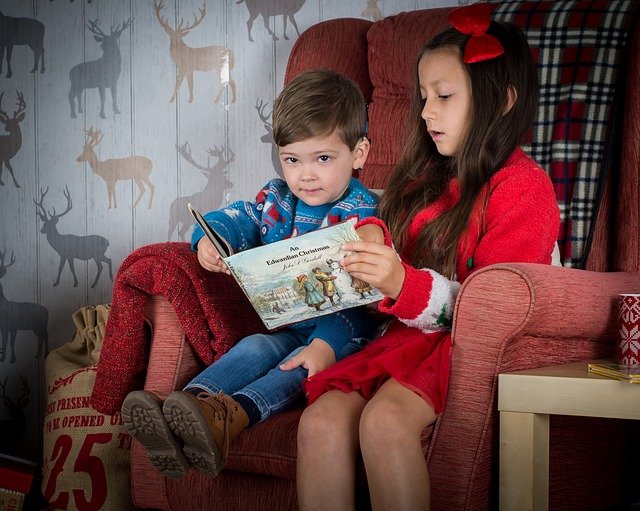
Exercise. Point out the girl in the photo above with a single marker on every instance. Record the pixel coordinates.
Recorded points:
(463, 196)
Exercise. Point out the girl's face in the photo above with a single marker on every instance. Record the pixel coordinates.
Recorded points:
(446, 91)
(318, 170)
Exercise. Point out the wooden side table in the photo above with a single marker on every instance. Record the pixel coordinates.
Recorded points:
(525, 401)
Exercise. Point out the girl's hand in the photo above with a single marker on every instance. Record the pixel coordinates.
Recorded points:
(371, 232)
(315, 357)
(376, 264)
(209, 258)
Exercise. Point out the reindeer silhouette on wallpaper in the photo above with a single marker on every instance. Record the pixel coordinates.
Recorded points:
(268, 8)
(15, 316)
(12, 429)
(21, 31)
(137, 168)
(210, 197)
(188, 60)
(102, 73)
(267, 138)
(10, 144)
(69, 246)
(372, 10)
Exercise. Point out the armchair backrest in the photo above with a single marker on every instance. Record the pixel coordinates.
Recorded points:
(623, 220)
(593, 161)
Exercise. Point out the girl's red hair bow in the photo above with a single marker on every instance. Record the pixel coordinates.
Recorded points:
(474, 20)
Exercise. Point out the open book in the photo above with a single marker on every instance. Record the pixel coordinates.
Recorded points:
(297, 278)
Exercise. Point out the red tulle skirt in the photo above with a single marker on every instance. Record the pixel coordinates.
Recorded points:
(419, 361)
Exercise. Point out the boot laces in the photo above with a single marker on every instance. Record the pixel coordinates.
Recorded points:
(220, 407)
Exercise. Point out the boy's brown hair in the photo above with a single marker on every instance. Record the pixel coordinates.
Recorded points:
(318, 103)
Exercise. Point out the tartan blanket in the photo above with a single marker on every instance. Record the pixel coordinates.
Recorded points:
(579, 46)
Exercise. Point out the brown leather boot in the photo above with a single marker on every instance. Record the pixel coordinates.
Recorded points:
(144, 421)
(208, 424)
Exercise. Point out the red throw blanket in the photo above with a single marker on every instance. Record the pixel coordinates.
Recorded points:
(211, 308)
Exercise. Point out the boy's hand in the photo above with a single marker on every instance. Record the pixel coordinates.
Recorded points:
(209, 258)
(315, 357)
(376, 264)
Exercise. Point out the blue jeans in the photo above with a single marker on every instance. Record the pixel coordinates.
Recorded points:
(251, 368)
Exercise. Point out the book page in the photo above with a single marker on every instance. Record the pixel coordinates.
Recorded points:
(300, 278)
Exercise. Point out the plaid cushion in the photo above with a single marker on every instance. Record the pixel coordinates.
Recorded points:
(579, 46)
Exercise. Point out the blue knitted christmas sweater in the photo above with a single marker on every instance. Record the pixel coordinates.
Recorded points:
(277, 214)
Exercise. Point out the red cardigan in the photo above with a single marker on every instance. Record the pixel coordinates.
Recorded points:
(521, 224)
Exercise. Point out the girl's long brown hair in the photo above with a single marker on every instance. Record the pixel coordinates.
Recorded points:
(422, 173)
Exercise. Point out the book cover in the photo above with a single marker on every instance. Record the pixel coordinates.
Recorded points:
(223, 248)
(11, 500)
(16, 477)
(16, 474)
(298, 278)
(612, 369)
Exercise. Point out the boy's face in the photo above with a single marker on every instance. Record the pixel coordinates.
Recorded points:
(318, 169)
(446, 91)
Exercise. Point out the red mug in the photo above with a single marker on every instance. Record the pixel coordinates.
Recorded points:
(628, 347)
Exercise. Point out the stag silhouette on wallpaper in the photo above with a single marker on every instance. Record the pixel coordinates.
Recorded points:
(188, 59)
(136, 168)
(102, 73)
(267, 138)
(17, 32)
(10, 144)
(210, 197)
(15, 316)
(12, 429)
(70, 246)
(268, 8)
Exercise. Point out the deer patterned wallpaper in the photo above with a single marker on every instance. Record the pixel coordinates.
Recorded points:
(115, 114)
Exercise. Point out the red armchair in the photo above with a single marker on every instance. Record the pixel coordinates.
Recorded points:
(508, 317)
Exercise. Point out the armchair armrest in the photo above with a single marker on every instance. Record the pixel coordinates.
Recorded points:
(540, 300)
(172, 360)
(172, 363)
(510, 317)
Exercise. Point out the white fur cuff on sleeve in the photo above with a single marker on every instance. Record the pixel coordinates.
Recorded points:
(438, 313)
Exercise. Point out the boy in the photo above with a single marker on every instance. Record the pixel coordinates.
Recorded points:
(319, 123)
